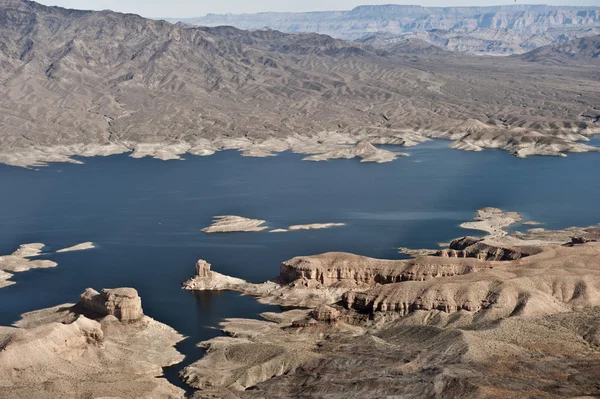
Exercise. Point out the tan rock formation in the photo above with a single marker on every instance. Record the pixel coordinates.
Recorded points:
(325, 313)
(123, 303)
(470, 247)
(207, 280)
(489, 317)
(203, 269)
(60, 353)
(553, 281)
(331, 268)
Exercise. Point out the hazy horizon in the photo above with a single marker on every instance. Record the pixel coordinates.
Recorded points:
(190, 9)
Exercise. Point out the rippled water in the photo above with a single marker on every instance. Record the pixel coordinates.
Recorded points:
(146, 215)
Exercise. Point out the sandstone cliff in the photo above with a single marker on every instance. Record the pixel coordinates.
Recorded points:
(123, 303)
(334, 267)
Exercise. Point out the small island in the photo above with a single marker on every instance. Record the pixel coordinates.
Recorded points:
(234, 224)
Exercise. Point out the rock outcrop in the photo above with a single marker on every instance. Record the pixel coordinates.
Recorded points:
(465, 322)
(202, 269)
(261, 350)
(122, 303)
(549, 282)
(207, 280)
(69, 351)
(335, 267)
(325, 313)
(471, 247)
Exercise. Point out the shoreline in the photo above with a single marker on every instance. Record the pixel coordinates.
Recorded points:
(340, 297)
(336, 298)
(321, 147)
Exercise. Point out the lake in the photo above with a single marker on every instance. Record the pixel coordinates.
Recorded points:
(145, 215)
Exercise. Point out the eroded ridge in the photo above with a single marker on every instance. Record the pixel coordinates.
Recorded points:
(465, 321)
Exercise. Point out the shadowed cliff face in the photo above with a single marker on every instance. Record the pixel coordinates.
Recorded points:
(89, 83)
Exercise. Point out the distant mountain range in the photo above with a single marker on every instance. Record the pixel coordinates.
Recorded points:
(84, 83)
(587, 48)
(500, 30)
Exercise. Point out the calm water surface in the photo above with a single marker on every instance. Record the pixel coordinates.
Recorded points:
(146, 215)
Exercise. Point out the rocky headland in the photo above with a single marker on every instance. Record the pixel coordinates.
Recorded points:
(103, 346)
(463, 321)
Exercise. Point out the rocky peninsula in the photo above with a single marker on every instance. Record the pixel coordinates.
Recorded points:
(463, 321)
(19, 261)
(103, 346)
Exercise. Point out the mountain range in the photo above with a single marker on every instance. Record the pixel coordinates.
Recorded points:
(499, 30)
(87, 83)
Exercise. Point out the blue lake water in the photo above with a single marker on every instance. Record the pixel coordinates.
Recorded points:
(145, 216)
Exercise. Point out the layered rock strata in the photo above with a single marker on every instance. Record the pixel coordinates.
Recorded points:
(122, 303)
(335, 267)
(492, 317)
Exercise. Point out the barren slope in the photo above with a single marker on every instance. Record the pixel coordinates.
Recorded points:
(580, 50)
(89, 83)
